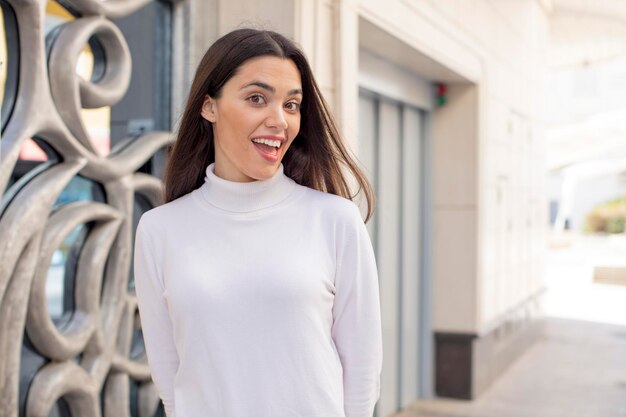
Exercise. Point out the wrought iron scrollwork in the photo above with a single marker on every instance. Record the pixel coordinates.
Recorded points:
(88, 362)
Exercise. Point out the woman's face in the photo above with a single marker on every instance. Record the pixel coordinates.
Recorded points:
(255, 119)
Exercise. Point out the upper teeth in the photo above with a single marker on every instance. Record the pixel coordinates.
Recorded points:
(274, 143)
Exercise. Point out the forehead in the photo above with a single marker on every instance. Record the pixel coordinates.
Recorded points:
(273, 69)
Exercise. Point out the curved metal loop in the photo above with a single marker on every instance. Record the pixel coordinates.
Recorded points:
(28, 212)
(137, 369)
(129, 159)
(70, 92)
(13, 313)
(67, 380)
(46, 337)
(149, 187)
(111, 8)
(11, 39)
(31, 108)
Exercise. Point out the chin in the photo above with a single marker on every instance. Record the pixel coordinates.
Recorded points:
(264, 173)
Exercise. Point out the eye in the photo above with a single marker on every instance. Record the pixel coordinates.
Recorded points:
(256, 99)
(292, 106)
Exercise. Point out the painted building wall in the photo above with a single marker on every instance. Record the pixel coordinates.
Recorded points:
(489, 212)
(488, 202)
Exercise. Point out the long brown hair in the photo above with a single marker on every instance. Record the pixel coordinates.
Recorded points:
(316, 156)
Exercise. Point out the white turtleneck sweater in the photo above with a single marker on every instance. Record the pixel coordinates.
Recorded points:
(259, 299)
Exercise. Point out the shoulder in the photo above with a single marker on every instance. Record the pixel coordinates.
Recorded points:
(161, 217)
(336, 208)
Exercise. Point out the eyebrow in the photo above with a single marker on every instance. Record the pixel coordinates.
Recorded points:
(268, 87)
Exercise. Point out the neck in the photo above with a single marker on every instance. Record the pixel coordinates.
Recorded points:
(241, 197)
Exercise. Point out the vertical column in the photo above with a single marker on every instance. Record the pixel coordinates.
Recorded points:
(455, 243)
(389, 247)
(194, 28)
(411, 249)
(347, 69)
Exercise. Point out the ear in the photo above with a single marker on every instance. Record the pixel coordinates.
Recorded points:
(208, 109)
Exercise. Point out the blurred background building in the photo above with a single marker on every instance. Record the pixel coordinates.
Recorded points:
(586, 82)
(456, 109)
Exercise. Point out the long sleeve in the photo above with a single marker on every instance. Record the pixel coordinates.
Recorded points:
(155, 320)
(356, 328)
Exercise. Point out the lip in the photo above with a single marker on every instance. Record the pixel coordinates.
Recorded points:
(270, 157)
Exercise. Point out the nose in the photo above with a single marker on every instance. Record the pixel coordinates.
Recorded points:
(276, 118)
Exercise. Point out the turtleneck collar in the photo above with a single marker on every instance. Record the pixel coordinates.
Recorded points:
(241, 197)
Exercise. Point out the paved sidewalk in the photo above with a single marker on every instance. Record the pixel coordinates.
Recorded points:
(571, 290)
(577, 370)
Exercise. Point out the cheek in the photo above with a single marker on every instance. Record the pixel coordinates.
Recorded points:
(234, 129)
(294, 127)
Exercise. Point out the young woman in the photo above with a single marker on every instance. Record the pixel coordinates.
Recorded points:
(256, 281)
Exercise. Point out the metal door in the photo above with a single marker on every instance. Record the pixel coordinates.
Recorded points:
(390, 150)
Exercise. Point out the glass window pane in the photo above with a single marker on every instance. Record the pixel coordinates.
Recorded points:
(61, 279)
(146, 105)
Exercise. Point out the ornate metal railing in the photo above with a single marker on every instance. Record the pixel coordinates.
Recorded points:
(83, 365)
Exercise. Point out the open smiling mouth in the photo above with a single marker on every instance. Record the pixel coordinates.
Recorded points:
(268, 148)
